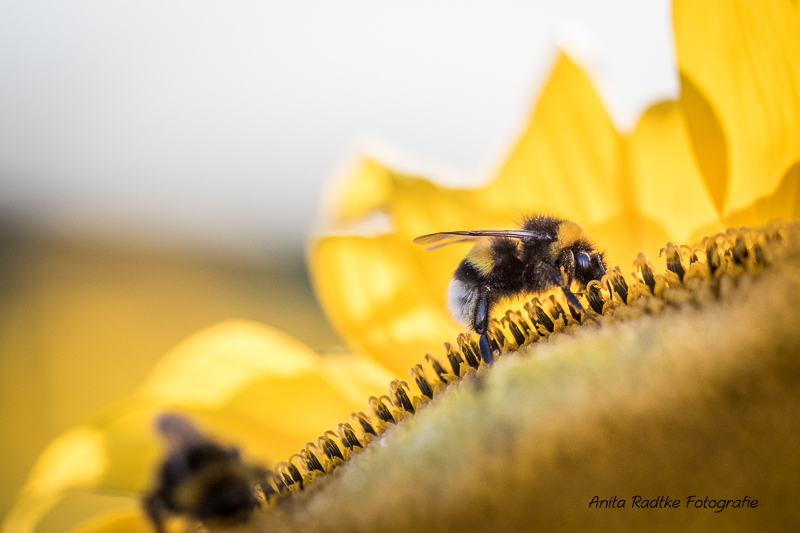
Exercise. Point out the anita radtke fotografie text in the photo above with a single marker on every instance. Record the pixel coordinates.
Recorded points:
(665, 502)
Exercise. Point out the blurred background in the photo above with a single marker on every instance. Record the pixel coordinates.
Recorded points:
(161, 163)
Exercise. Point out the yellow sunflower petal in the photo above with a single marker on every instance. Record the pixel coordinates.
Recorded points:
(628, 234)
(241, 382)
(414, 205)
(669, 188)
(76, 459)
(381, 299)
(742, 57)
(259, 383)
(356, 377)
(783, 203)
(569, 161)
(209, 367)
(707, 141)
(366, 188)
(129, 520)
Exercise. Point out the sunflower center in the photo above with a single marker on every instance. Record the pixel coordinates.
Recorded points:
(694, 276)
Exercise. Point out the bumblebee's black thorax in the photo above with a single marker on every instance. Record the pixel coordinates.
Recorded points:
(496, 263)
(214, 478)
(183, 464)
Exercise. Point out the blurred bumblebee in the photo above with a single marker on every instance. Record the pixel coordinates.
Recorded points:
(546, 252)
(201, 479)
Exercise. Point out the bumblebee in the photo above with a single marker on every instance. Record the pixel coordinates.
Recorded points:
(201, 479)
(546, 252)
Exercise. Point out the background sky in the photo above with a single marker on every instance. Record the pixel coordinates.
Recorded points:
(214, 125)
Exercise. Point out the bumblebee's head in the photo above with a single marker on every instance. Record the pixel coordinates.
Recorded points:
(567, 235)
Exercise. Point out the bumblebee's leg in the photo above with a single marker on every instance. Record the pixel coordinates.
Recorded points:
(569, 264)
(590, 267)
(570, 270)
(156, 511)
(481, 322)
(572, 300)
(480, 316)
(486, 349)
(597, 266)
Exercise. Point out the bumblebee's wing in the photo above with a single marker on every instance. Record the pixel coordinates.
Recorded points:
(178, 431)
(437, 240)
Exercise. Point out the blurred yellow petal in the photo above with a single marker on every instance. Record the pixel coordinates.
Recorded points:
(76, 459)
(414, 205)
(742, 57)
(251, 378)
(131, 520)
(569, 160)
(381, 298)
(206, 369)
(368, 188)
(627, 234)
(356, 377)
(669, 188)
(242, 382)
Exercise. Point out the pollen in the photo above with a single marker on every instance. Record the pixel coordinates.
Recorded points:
(707, 273)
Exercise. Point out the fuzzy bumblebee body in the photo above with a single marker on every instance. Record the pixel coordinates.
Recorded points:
(547, 252)
(201, 479)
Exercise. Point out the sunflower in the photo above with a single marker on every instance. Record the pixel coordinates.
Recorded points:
(724, 154)
(684, 393)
